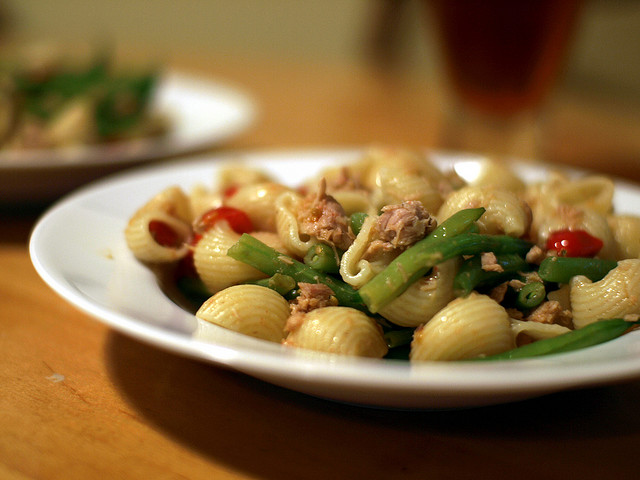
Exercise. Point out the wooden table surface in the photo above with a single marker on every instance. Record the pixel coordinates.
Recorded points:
(81, 401)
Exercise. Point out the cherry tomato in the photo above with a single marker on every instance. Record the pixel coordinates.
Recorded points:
(237, 219)
(574, 243)
(230, 191)
(164, 235)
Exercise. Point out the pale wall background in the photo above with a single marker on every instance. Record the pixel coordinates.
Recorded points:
(605, 58)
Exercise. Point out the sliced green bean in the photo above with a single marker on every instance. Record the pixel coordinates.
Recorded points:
(562, 269)
(531, 295)
(419, 259)
(399, 337)
(283, 284)
(253, 252)
(123, 103)
(323, 257)
(357, 220)
(471, 275)
(409, 265)
(593, 334)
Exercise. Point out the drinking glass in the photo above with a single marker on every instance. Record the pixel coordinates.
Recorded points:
(501, 59)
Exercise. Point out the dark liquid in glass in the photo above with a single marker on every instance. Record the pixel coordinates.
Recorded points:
(502, 56)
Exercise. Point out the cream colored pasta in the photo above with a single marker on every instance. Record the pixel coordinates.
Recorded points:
(203, 199)
(237, 175)
(626, 235)
(258, 202)
(172, 208)
(249, 309)
(378, 158)
(353, 201)
(396, 185)
(215, 268)
(142, 243)
(505, 212)
(287, 226)
(566, 217)
(495, 174)
(537, 330)
(468, 327)
(424, 298)
(354, 269)
(172, 201)
(540, 195)
(340, 177)
(616, 295)
(592, 192)
(341, 330)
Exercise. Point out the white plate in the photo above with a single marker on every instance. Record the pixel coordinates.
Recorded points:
(202, 113)
(79, 250)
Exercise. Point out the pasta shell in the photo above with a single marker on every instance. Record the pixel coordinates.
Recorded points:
(575, 218)
(594, 192)
(341, 330)
(537, 330)
(248, 309)
(172, 201)
(626, 234)
(258, 202)
(396, 185)
(505, 212)
(287, 226)
(616, 295)
(142, 243)
(237, 175)
(424, 298)
(496, 174)
(216, 269)
(355, 270)
(467, 327)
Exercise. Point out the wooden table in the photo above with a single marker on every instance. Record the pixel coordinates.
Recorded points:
(80, 401)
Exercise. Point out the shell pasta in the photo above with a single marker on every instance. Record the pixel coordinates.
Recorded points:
(393, 256)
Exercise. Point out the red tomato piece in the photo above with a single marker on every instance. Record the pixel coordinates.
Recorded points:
(230, 191)
(574, 243)
(164, 235)
(237, 219)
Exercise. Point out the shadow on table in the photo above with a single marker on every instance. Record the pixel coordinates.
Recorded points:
(17, 221)
(270, 432)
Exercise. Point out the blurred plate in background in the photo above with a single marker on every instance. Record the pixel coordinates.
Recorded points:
(202, 113)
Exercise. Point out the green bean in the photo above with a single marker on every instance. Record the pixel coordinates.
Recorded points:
(398, 337)
(44, 98)
(283, 284)
(410, 265)
(193, 290)
(471, 275)
(253, 252)
(357, 220)
(531, 295)
(323, 257)
(123, 103)
(562, 269)
(419, 259)
(593, 334)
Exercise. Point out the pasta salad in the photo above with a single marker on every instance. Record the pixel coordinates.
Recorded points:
(392, 257)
